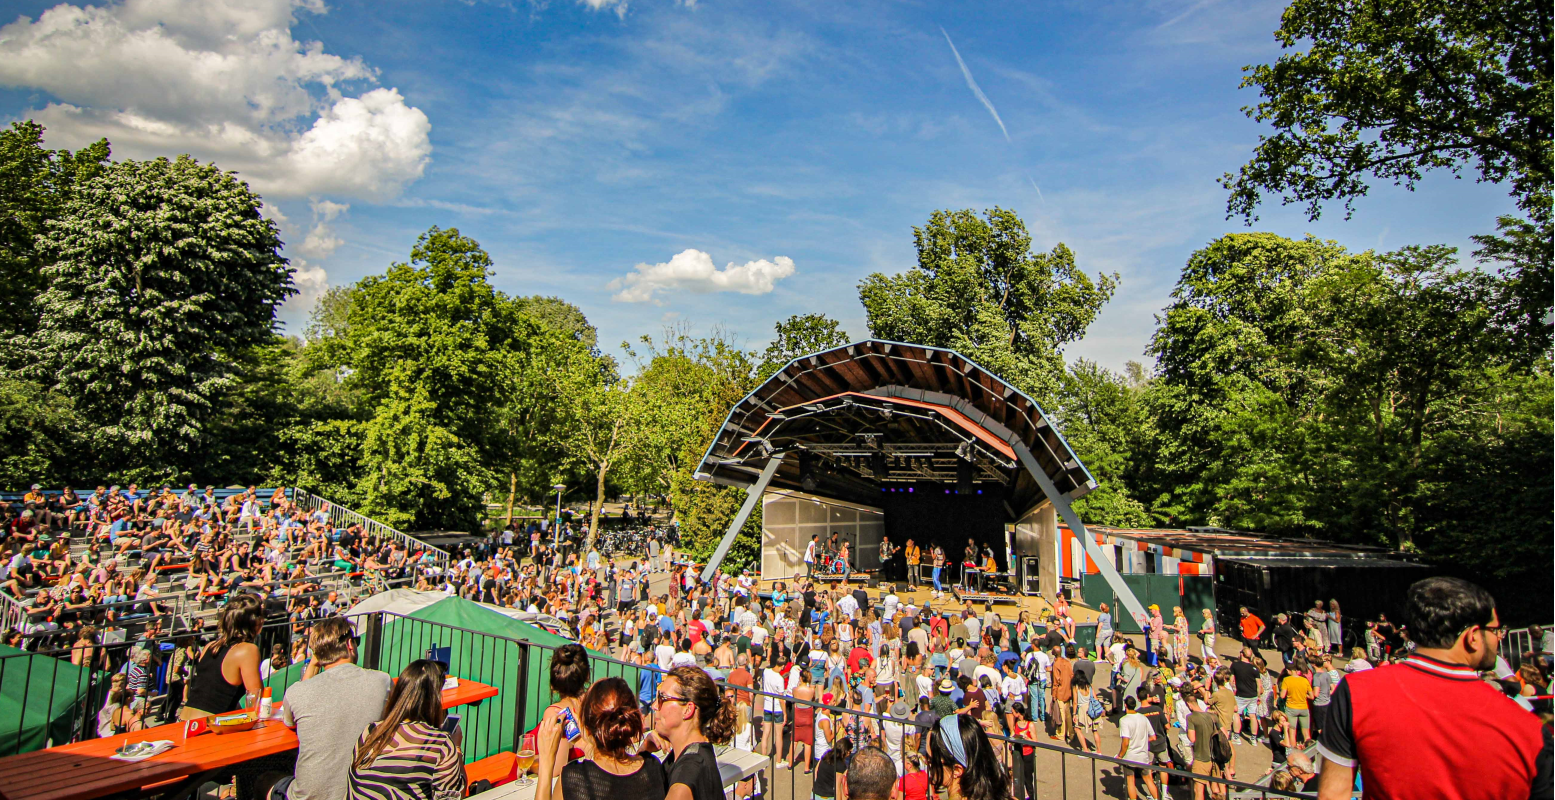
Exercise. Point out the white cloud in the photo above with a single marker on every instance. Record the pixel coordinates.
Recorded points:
(693, 271)
(619, 6)
(321, 241)
(311, 281)
(224, 81)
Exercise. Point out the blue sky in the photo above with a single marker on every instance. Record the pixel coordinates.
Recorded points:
(797, 142)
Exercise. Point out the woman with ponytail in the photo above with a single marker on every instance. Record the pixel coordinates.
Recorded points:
(613, 725)
(691, 717)
(962, 758)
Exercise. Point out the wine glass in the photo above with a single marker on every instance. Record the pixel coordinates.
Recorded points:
(526, 761)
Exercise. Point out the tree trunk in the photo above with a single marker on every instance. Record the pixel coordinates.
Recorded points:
(599, 504)
(512, 488)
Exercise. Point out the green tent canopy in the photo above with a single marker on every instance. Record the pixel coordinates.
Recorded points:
(484, 645)
(44, 700)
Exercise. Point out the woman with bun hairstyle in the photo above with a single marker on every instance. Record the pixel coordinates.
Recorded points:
(613, 725)
(569, 679)
(962, 759)
(691, 717)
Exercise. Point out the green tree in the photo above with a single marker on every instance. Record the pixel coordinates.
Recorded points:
(1309, 391)
(1393, 89)
(160, 274)
(423, 352)
(1103, 421)
(599, 423)
(978, 288)
(800, 335)
(35, 186)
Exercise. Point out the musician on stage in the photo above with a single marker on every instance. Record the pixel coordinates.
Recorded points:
(914, 558)
(968, 565)
(886, 553)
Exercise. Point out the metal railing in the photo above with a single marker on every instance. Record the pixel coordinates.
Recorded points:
(1057, 771)
(12, 612)
(341, 517)
(519, 668)
(1515, 643)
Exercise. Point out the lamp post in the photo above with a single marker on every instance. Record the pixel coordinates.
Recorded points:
(556, 530)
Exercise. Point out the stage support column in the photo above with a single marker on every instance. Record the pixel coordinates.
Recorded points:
(1061, 503)
(752, 497)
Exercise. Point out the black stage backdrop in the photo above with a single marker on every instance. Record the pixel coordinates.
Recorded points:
(930, 515)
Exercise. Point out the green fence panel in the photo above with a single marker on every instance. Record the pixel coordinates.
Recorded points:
(1197, 592)
(42, 699)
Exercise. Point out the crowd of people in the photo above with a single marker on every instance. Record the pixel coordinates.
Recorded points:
(826, 680)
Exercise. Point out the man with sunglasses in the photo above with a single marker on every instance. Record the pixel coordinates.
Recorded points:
(1429, 726)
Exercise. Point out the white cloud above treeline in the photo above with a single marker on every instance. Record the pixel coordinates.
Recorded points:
(693, 271)
(224, 81)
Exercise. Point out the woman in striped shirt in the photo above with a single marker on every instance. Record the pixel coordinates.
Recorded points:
(406, 755)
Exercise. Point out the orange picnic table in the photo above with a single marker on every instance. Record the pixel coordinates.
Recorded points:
(85, 770)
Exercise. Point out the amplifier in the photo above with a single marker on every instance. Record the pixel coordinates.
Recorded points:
(1030, 577)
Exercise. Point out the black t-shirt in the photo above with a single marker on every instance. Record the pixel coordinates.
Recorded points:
(585, 780)
(826, 778)
(861, 598)
(1086, 667)
(809, 600)
(1246, 678)
(1054, 638)
(1157, 717)
(697, 768)
(1284, 634)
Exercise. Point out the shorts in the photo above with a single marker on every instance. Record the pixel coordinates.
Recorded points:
(1163, 758)
(1246, 706)
(772, 716)
(1204, 767)
(1141, 772)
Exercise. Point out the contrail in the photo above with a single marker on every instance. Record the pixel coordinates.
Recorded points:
(1038, 188)
(971, 84)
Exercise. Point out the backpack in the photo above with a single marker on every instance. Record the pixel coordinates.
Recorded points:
(1096, 710)
(1222, 747)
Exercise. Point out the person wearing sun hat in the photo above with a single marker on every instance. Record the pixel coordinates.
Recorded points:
(941, 703)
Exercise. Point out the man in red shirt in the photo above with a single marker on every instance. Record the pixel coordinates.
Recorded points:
(1252, 629)
(1430, 727)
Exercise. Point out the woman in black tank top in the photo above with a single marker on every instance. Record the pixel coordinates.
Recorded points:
(208, 690)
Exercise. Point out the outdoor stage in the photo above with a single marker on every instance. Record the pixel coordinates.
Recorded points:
(882, 440)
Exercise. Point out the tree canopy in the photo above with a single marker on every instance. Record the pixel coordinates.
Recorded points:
(980, 289)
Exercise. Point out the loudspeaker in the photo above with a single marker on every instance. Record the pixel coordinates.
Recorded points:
(963, 476)
(807, 477)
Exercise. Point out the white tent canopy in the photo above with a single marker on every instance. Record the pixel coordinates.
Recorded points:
(405, 602)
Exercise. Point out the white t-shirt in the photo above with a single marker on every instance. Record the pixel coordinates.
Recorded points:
(925, 685)
(809, 552)
(1014, 687)
(773, 683)
(848, 606)
(984, 670)
(665, 656)
(1136, 729)
(891, 602)
(891, 736)
(758, 636)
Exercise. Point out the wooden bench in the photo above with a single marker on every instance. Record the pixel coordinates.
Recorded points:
(499, 769)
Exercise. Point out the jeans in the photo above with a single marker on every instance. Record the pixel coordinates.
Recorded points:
(937, 586)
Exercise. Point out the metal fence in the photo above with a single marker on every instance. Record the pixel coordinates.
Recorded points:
(1515, 643)
(1057, 772)
(342, 517)
(47, 684)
